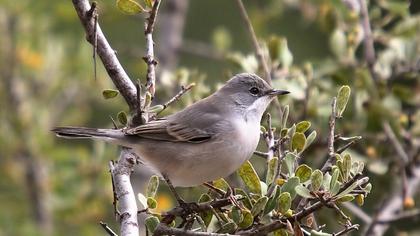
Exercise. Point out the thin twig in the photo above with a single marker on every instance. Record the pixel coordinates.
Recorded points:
(261, 154)
(175, 98)
(149, 58)
(397, 145)
(401, 216)
(162, 229)
(369, 49)
(257, 47)
(107, 229)
(347, 229)
(357, 212)
(331, 124)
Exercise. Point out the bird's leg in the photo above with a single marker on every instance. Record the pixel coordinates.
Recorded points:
(172, 188)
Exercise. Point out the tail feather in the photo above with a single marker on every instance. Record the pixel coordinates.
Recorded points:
(82, 132)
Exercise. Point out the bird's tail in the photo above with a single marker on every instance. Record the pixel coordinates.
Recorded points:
(110, 135)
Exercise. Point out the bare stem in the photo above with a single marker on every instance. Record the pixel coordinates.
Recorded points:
(107, 229)
(177, 96)
(331, 124)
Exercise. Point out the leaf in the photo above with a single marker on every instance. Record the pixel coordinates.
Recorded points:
(153, 186)
(129, 7)
(303, 172)
(156, 109)
(280, 232)
(236, 214)
(246, 200)
(346, 167)
(326, 181)
(310, 139)
(151, 203)
(319, 233)
(250, 177)
(149, 3)
(303, 191)
(110, 93)
(342, 99)
(271, 170)
(338, 43)
(272, 201)
(221, 184)
(298, 142)
(227, 228)
(205, 215)
(291, 131)
(247, 221)
(284, 202)
(151, 223)
(143, 200)
(302, 126)
(334, 184)
(147, 100)
(360, 199)
(290, 163)
(346, 198)
(122, 117)
(285, 116)
(259, 206)
(316, 180)
(290, 186)
(349, 139)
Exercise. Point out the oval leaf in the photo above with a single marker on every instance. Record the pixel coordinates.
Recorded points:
(151, 223)
(156, 109)
(303, 126)
(334, 184)
(259, 206)
(298, 142)
(303, 191)
(346, 198)
(250, 178)
(206, 216)
(110, 93)
(290, 186)
(304, 173)
(129, 7)
(271, 170)
(236, 215)
(310, 139)
(284, 202)
(285, 116)
(248, 219)
(316, 180)
(290, 163)
(342, 99)
(122, 117)
(151, 203)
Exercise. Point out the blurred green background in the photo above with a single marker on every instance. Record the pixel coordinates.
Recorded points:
(56, 187)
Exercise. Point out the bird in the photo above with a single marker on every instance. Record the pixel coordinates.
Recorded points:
(205, 141)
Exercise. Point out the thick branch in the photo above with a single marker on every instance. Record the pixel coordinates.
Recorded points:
(121, 172)
(107, 55)
(162, 229)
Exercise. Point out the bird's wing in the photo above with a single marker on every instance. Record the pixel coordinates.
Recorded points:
(165, 130)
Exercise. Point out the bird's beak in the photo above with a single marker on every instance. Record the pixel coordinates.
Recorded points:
(276, 92)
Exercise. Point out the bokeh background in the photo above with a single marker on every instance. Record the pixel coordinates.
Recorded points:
(50, 186)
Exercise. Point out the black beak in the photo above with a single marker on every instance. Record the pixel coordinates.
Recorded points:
(276, 92)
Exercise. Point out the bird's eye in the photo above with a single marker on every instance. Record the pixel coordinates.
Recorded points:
(254, 91)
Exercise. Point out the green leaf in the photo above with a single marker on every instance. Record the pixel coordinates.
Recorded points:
(122, 117)
(280, 232)
(284, 202)
(338, 43)
(283, 132)
(342, 99)
(205, 215)
(151, 223)
(291, 130)
(316, 180)
(334, 184)
(227, 228)
(272, 201)
(271, 170)
(302, 126)
(149, 3)
(310, 139)
(360, 199)
(236, 215)
(298, 142)
(247, 201)
(259, 206)
(290, 163)
(290, 186)
(147, 100)
(303, 191)
(326, 181)
(285, 116)
(346, 198)
(303, 172)
(153, 186)
(151, 203)
(221, 184)
(129, 7)
(247, 221)
(143, 200)
(156, 109)
(110, 93)
(250, 178)
(346, 167)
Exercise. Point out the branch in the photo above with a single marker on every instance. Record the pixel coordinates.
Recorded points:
(257, 48)
(331, 123)
(150, 55)
(177, 96)
(368, 40)
(107, 229)
(162, 229)
(404, 159)
(401, 216)
(124, 191)
(107, 55)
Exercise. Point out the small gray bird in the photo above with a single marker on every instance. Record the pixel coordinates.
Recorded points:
(205, 141)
